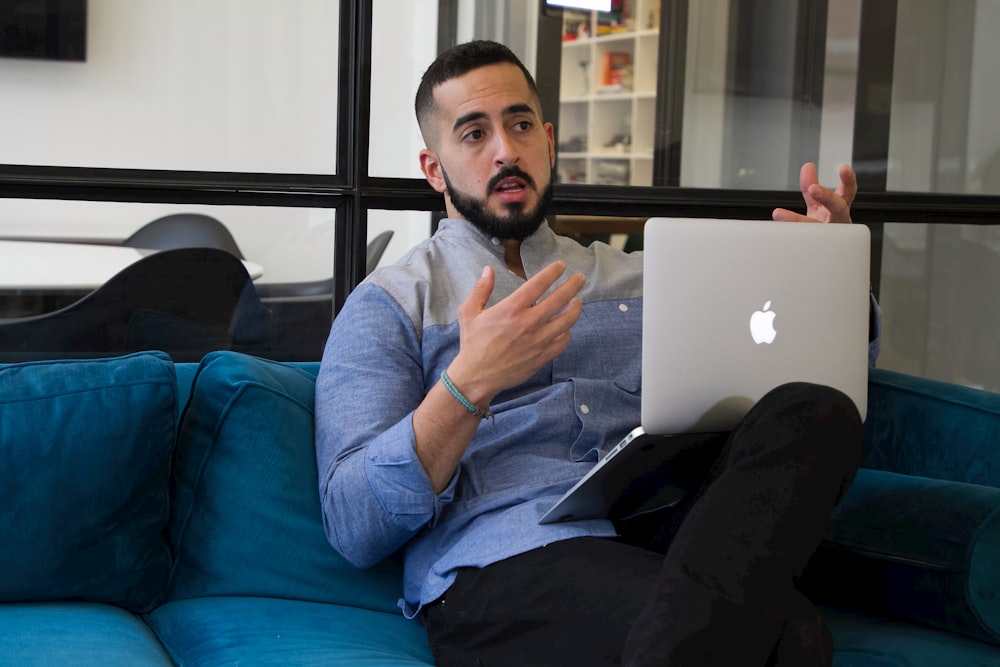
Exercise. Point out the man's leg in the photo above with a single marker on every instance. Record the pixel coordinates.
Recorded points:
(569, 603)
(725, 594)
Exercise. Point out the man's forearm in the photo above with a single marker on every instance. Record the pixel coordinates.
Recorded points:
(443, 428)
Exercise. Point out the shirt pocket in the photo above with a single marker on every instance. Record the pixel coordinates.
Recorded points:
(606, 344)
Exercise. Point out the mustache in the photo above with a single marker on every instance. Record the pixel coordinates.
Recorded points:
(508, 172)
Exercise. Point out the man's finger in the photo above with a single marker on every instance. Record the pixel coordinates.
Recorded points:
(480, 293)
(533, 289)
(836, 206)
(848, 188)
(561, 295)
(808, 177)
(784, 215)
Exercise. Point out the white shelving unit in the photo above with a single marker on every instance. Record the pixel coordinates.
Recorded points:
(607, 96)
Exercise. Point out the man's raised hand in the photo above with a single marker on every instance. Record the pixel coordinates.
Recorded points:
(505, 344)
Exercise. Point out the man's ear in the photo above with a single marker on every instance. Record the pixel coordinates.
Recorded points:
(431, 166)
(550, 132)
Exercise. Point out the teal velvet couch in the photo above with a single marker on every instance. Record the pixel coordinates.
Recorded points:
(156, 514)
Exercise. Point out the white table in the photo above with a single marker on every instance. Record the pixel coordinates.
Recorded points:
(39, 266)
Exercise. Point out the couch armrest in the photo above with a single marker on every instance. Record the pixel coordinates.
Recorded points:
(921, 549)
(932, 429)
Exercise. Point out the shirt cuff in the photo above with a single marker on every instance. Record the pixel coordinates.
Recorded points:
(398, 479)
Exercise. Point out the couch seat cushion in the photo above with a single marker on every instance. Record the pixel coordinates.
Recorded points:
(80, 634)
(267, 631)
(862, 640)
(85, 451)
(247, 517)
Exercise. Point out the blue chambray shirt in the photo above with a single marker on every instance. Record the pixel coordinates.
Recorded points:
(387, 348)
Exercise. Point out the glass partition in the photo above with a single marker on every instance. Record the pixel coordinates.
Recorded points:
(939, 297)
(404, 43)
(716, 96)
(944, 131)
(183, 85)
(765, 86)
(56, 257)
(607, 94)
(405, 228)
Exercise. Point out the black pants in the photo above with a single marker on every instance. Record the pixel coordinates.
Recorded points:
(724, 593)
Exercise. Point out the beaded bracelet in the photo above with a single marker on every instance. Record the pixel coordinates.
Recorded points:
(482, 413)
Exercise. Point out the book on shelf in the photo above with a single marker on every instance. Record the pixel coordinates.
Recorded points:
(618, 20)
(616, 72)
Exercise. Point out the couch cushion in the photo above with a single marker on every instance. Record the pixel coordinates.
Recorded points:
(863, 640)
(84, 459)
(266, 631)
(80, 634)
(247, 518)
(921, 549)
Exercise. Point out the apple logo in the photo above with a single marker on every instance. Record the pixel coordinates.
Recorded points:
(762, 325)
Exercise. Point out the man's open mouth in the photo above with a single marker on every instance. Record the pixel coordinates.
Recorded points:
(510, 186)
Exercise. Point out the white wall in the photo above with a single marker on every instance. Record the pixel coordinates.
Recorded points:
(212, 85)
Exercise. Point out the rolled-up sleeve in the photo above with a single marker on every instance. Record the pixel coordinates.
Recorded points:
(375, 494)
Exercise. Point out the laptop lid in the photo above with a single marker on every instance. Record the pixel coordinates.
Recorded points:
(734, 308)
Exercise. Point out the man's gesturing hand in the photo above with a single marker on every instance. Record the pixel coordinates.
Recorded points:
(504, 345)
(822, 204)
(500, 347)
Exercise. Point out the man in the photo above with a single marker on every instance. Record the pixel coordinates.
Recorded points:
(464, 389)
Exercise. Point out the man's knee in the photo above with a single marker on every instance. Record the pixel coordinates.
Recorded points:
(819, 424)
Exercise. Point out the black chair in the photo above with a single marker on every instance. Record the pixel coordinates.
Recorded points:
(376, 248)
(185, 302)
(184, 230)
(323, 288)
(301, 312)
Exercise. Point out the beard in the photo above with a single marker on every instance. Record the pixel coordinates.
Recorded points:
(518, 224)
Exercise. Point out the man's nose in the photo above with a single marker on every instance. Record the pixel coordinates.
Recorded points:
(506, 149)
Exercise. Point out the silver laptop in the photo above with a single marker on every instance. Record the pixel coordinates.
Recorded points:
(731, 309)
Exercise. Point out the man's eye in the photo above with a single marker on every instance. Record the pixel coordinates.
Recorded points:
(474, 135)
(523, 125)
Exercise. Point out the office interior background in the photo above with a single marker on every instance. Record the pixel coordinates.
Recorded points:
(291, 122)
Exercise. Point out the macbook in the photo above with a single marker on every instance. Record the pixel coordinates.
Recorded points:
(731, 309)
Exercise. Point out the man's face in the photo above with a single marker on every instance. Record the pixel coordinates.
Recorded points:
(493, 157)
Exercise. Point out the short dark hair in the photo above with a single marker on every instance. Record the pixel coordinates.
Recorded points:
(457, 61)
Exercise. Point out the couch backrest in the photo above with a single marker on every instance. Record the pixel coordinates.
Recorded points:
(246, 516)
(85, 449)
(928, 428)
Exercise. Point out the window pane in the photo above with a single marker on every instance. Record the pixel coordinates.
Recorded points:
(57, 253)
(945, 132)
(758, 101)
(236, 85)
(406, 229)
(769, 85)
(607, 93)
(404, 42)
(940, 310)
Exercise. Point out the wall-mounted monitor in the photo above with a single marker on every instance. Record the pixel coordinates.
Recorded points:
(44, 29)
(599, 5)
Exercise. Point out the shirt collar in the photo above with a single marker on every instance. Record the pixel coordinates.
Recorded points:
(540, 245)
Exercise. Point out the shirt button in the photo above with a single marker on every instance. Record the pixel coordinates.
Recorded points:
(585, 409)
(623, 307)
(495, 241)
